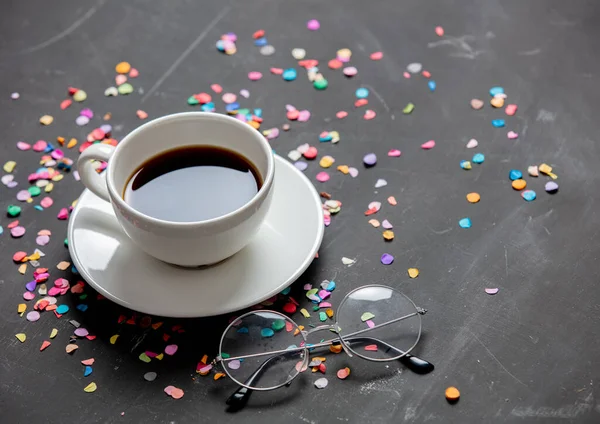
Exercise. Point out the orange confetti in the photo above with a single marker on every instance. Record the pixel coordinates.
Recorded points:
(141, 114)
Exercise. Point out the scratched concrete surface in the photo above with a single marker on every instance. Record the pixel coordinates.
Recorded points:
(530, 353)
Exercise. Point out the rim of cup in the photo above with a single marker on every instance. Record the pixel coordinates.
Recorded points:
(262, 142)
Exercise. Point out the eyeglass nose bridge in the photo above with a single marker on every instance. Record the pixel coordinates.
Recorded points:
(332, 327)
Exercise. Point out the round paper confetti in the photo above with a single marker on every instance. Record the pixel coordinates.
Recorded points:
(150, 376)
(313, 25)
(465, 223)
(387, 259)
(33, 316)
(343, 373)
(321, 383)
(528, 195)
(551, 187)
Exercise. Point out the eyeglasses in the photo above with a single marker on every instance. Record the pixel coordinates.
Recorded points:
(265, 350)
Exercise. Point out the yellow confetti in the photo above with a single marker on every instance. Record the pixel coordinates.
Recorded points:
(343, 169)
(545, 169)
(388, 235)
(335, 136)
(335, 348)
(72, 143)
(48, 187)
(160, 356)
(218, 375)
(113, 339)
(21, 336)
(30, 200)
(413, 272)
(553, 176)
(326, 161)
(53, 333)
(58, 177)
(90, 388)
(392, 201)
(63, 265)
(374, 223)
(46, 120)
(10, 166)
(305, 313)
(23, 269)
(21, 308)
(298, 330)
(34, 256)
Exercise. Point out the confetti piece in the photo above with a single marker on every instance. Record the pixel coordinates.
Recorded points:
(472, 143)
(392, 201)
(432, 85)
(473, 197)
(366, 316)
(341, 114)
(141, 114)
(350, 71)
(267, 332)
(497, 101)
(491, 291)
(89, 361)
(313, 25)
(380, 183)
(371, 348)
(498, 123)
(348, 261)
(465, 223)
(388, 235)
(53, 333)
(113, 339)
(144, 357)
(476, 104)
(413, 272)
(321, 383)
(528, 195)
(44, 345)
(326, 161)
(63, 265)
(452, 394)
(478, 158)
(46, 120)
(90, 388)
(510, 110)
(387, 259)
(370, 159)
(394, 153)
(22, 307)
(439, 31)
(150, 376)
(512, 135)
(21, 337)
(374, 223)
(322, 177)
(428, 145)
(369, 114)
(80, 96)
(81, 332)
(87, 371)
(123, 68)
(33, 316)
(171, 349)
(71, 347)
(465, 164)
(408, 109)
(519, 184)
(254, 75)
(551, 187)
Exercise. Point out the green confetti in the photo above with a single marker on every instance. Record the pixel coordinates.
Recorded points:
(366, 316)
(408, 108)
(278, 325)
(321, 84)
(13, 210)
(34, 191)
(322, 316)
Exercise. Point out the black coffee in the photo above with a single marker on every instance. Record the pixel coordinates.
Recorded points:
(193, 183)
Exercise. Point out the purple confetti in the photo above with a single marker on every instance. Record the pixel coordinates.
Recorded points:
(82, 120)
(551, 187)
(33, 316)
(42, 240)
(81, 332)
(301, 165)
(491, 291)
(31, 285)
(387, 259)
(23, 195)
(370, 159)
(17, 231)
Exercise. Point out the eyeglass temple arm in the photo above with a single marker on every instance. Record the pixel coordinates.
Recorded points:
(240, 397)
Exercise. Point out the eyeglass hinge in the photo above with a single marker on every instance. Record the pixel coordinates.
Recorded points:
(421, 311)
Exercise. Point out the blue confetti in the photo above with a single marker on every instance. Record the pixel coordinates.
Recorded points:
(286, 291)
(267, 332)
(88, 371)
(243, 330)
(232, 107)
(496, 90)
(36, 207)
(325, 138)
(465, 223)
(478, 158)
(220, 45)
(498, 123)
(258, 112)
(465, 164)
(1, 229)
(260, 42)
(208, 107)
(62, 309)
(432, 85)
(49, 148)
(82, 307)
(331, 286)
(74, 270)
(289, 74)
(528, 195)
(362, 93)
(515, 174)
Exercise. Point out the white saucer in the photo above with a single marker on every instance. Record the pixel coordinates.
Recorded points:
(284, 247)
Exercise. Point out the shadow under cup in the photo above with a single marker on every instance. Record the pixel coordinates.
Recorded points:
(191, 244)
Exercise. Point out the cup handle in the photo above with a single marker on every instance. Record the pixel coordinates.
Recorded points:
(95, 182)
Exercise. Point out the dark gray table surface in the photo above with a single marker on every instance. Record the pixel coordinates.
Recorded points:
(530, 353)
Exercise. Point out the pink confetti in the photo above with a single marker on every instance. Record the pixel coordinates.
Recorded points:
(276, 71)
(491, 291)
(46, 202)
(350, 71)
(324, 305)
(428, 145)
(42, 240)
(216, 88)
(17, 232)
(171, 349)
(254, 75)
(353, 172)
(229, 98)
(406, 75)
(387, 224)
(394, 153)
(244, 93)
(371, 348)
(341, 114)
(23, 195)
(168, 390)
(28, 295)
(205, 369)
(21, 145)
(369, 114)
(313, 25)
(40, 146)
(512, 135)
(307, 287)
(234, 365)
(134, 73)
(304, 116)
(370, 323)
(63, 214)
(439, 31)
(120, 79)
(376, 56)
(510, 110)
(322, 176)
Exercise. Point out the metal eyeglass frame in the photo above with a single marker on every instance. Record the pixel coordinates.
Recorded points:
(413, 362)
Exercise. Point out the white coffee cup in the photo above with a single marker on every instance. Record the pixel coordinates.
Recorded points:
(182, 243)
